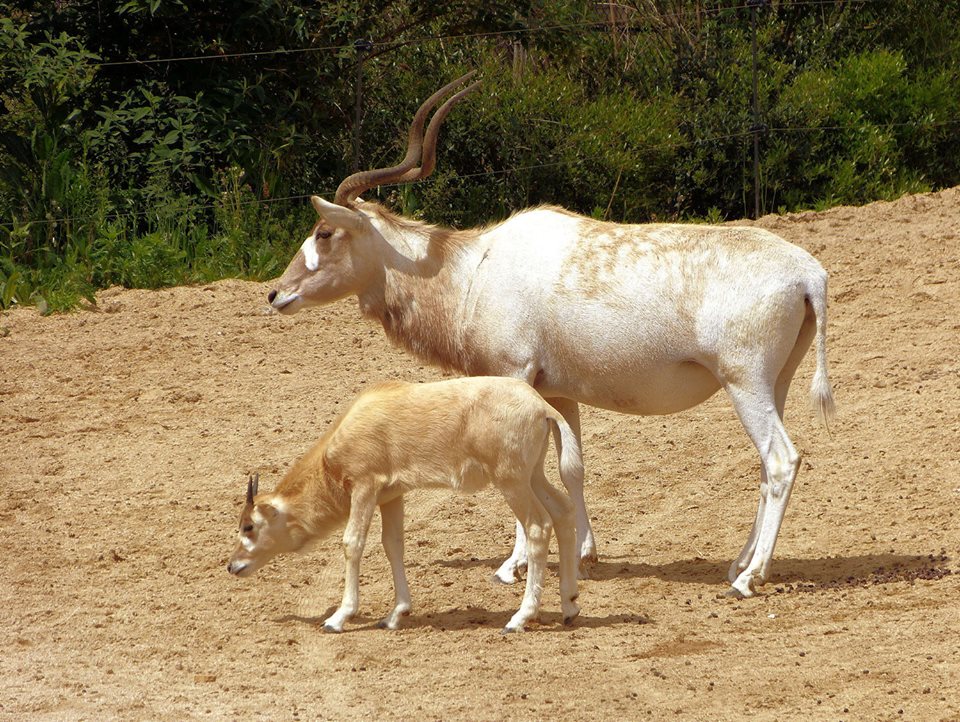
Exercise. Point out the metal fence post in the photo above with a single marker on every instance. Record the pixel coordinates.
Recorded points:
(362, 46)
(757, 128)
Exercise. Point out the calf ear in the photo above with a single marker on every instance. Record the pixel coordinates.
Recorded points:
(338, 216)
(267, 511)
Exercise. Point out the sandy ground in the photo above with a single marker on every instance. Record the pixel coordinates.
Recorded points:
(128, 431)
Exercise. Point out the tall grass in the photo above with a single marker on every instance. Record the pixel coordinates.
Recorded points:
(178, 242)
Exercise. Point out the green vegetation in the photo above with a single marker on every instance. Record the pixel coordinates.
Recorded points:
(118, 170)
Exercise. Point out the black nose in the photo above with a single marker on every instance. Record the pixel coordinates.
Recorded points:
(272, 295)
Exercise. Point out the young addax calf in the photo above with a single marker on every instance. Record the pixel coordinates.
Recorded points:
(396, 437)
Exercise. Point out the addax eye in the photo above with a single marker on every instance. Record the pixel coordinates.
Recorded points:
(324, 234)
(246, 528)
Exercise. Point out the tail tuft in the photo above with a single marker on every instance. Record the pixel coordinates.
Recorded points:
(821, 396)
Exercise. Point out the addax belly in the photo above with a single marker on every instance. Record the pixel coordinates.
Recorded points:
(664, 388)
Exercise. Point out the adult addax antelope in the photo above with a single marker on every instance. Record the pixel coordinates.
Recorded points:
(643, 319)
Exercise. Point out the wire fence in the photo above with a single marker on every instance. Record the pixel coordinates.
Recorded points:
(365, 49)
(329, 193)
(517, 32)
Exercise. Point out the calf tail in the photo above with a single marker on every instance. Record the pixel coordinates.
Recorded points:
(569, 455)
(821, 396)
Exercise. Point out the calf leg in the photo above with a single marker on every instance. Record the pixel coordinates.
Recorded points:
(354, 539)
(507, 572)
(536, 524)
(560, 509)
(391, 515)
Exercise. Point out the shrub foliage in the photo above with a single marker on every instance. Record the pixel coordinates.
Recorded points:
(155, 142)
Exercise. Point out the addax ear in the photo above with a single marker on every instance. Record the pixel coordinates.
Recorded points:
(338, 216)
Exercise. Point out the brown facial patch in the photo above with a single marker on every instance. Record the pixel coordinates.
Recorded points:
(321, 229)
(246, 518)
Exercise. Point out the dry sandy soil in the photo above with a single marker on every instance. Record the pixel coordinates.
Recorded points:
(129, 430)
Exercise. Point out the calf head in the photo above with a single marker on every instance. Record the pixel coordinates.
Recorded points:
(266, 529)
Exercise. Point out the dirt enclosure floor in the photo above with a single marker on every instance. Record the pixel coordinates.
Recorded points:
(129, 430)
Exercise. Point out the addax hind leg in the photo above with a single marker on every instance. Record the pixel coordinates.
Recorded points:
(586, 545)
(785, 377)
(761, 417)
(746, 554)
(743, 559)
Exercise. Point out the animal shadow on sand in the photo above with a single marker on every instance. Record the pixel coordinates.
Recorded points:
(469, 618)
(787, 575)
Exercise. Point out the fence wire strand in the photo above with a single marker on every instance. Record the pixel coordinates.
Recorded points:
(384, 45)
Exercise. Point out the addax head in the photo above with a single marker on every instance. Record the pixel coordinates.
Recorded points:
(264, 533)
(329, 264)
(332, 262)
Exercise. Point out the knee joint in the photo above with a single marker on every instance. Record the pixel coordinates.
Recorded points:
(538, 533)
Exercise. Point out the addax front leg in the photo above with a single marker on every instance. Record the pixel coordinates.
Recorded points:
(354, 539)
(508, 571)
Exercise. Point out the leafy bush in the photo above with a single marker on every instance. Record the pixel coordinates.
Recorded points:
(41, 88)
(864, 107)
(118, 170)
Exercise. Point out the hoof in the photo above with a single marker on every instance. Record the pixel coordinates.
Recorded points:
(391, 622)
(586, 564)
(736, 569)
(510, 630)
(568, 621)
(498, 579)
(742, 588)
(329, 629)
